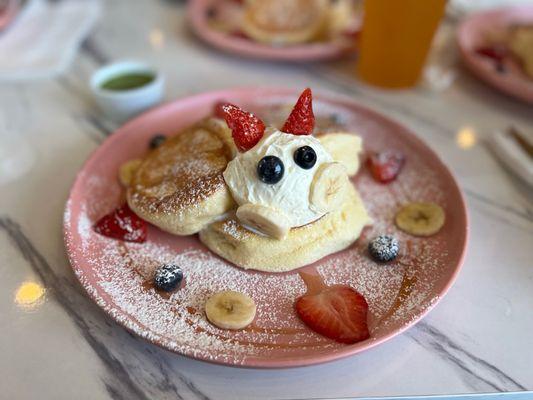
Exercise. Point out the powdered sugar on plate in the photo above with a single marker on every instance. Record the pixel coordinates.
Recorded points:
(118, 275)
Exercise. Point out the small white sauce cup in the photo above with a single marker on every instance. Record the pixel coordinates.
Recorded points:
(121, 105)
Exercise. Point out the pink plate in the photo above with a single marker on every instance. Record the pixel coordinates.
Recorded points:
(476, 31)
(200, 21)
(117, 275)
(8, 11)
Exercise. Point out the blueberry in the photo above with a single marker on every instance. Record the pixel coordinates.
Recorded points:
(168, 277)
(270, 169)
(384, 248)
(500, 68)
(305, 157)
(157, 141)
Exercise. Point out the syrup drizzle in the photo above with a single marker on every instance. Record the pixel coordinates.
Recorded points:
(406, 288)
(278, 331)
(312, 280)
(314, 283)
(408, 283)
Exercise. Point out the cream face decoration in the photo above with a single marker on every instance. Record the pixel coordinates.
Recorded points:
(298, 198)
(248, 189)
(285, 181)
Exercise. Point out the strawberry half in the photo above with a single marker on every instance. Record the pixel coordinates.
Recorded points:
(301, 121)
(122, 224)
(239, 34)
(386, 166)
(337, 312)
(497, 53)
(246, 128)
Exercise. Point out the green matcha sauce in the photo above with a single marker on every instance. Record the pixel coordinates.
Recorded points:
(128, 81)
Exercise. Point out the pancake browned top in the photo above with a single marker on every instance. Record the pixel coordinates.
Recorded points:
(182, 173)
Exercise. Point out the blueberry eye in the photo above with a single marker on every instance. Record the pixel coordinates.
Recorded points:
(270, 169)
(305, 157)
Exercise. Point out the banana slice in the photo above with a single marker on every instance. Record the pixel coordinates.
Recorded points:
(264, 219)
(126, 171)
(344, 148)
(328, 188)
(420, 219)
(230, 310)
(284, 21)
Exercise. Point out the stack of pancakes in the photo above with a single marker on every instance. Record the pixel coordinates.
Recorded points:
(179, 187)
(289, 22)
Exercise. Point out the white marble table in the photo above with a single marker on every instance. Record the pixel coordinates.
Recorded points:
(478, 339)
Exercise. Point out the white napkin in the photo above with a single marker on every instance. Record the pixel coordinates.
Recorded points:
(43, 40)
(460, 8)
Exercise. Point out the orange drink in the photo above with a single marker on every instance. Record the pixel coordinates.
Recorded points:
(395, 40)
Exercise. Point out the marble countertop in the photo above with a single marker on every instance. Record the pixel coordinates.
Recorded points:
(478, 339)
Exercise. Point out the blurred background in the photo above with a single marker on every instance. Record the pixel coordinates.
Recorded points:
(458, 73)
(387, 50)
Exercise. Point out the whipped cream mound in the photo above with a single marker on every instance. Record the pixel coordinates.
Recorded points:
(291, 194)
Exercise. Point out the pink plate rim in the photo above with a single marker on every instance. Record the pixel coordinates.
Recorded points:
(132, 326)
(296, 53)
(12, 9)
(515, 85)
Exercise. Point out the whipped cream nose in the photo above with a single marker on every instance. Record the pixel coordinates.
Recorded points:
(328, 187)
(266, 220)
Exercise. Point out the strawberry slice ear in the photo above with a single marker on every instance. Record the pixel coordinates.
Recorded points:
(247, 130)
(301, 121)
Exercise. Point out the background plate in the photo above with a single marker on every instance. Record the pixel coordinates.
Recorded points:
(116, 274)
(198, 11)
(474, 33)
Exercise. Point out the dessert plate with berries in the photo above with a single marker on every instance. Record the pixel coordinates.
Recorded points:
(497, 45)
(296, 30)
(401, 217)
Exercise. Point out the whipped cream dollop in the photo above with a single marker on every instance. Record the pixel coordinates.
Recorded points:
(291, 194)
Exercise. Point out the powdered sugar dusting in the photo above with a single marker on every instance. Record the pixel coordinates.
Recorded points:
(176, 177)
(118, 275)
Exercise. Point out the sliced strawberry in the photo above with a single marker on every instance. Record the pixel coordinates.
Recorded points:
(386, 166)
(246, 128)
(122, 224)
(301, 121)
(239, 34)
(337, 312)
(496, 52)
